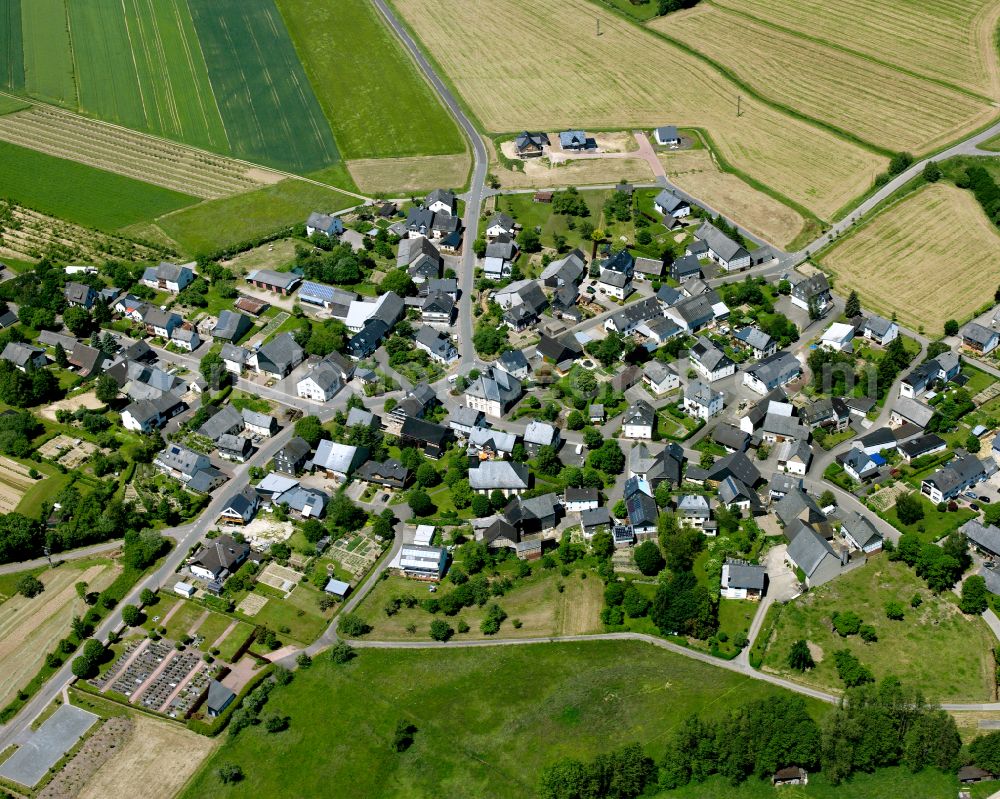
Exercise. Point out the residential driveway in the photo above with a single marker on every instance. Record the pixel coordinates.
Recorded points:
(782, 584)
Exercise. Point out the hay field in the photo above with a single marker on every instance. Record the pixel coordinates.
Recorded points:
(948, 40)
(373, 175)
(14, 484)
(526, 70)
(696, 172)
(157, 753)
(879, 104)
(30, 628)
(927, 259)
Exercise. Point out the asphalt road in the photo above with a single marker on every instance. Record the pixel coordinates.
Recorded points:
(473, 198)
(71, 554)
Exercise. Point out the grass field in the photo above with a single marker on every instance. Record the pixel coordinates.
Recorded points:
(11, 45)
(205, 227)
(79, 193)
(895, 262)
(879, 104)
(948, 40)
(536, 601)
(696, 172)
(378, 104)
(160, 753)
(409, 174)
(267, 105)
(890, 783)
(936, 648)
(482, 716)
(48, 54)
(30, 628)
(550, 72)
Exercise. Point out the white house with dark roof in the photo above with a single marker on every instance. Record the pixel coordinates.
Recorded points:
(320, 383)
(500, 224)
(669, 204)
(436, 344)
(701, 402)
(615, 284)
(813, 290)
(710, 361)
(879, 329)
(659, 377)
(639, 421)
(168, 277)
(721, 249)
(980, 339)
(757, 341)
(667, 136)
(510, 479)
(742, 580)
(325, 224)
(773, 372)
(959, 475)
(493, 392)
(908, 410)
(860, 533)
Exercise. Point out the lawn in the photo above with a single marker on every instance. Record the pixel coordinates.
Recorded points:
(183, 620)
(216, 224)
(81, 194)
(935, 647)
(268, 107)
(296, 618)
(214, 626)
(378, 105)
(935, 524)
(536, 601)
(481, 715)
(889, 783)
(234, 641)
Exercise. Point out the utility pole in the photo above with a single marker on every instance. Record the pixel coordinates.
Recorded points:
(598, 26)
(739, 104)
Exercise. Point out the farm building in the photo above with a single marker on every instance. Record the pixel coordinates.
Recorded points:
(279, 282)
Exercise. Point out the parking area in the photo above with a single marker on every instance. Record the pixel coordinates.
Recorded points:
(57, 735)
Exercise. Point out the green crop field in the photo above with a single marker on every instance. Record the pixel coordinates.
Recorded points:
(138, 63)
(79, 193)
(487, 720)
(377, 103)
(48, 52)
(11, 49)
(265, 98)
(209, 226)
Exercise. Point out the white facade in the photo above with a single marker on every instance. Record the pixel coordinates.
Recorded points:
(643, 431)
(309, 389)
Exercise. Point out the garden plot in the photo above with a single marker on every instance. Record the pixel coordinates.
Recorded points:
(14, 484)
(279, 577)
(262, 532)
(252, 604)
(87, 400)
(70, 452)
(882, 501)
(356, 554)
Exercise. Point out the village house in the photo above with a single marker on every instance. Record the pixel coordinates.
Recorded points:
(641, 508)
(489, 444)
(259, 424)
(515, 364)
(667, 136)
(336, 460)
(663, 465)
(436, 344)
(693, 510)
(279, 356)
(578, 500)
(721, 249)
(231, 326)
(880, 330)
(659, 377)
(148, 415)
(757, 341)
(813, 291)
(185, 337)
(160, 323)
(323, 296)
(669, 204)
(219, 557)
(432, 438)
(685, 268)
(860, 533)
(168, 277)
(907, 410)
(420, 562)
(860, 465)
(24, 356)
(510, 479)
(540, 434)
(810, 552)
(943, 367)
(324, 224)
(292, 458)
(530, 145)
(742, 580)
(79, 294)
(773, 372)
(388, 474)
(500, 256)
(979, 339)
(710, 361)
(639, 421)
(701, 402)
(929, 444)
(493, 392)
(838, 337)
(321, 383)
(795, 456)
(959, 475)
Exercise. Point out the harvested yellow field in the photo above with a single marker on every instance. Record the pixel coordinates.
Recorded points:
(879, 104)
(926, 259)
(373, 175)
(950, 40)
(550, 71)
(157, 753)
(696, 172)
(30, 628)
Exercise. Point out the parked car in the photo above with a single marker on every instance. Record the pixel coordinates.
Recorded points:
(984, 499)
(974, 506)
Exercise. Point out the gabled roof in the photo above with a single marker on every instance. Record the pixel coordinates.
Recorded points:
(282, 351)
(754, 337)
(226, 419)
(495, 385)
(669, 201)
(808, 550)
(490, 475)
(639, 413)
(270, 277)
(540, 433)
(709, 355)
(861, 528)
(336, 457)
(736, 464)
(231, 325)
(745, 575)
(723, 246)
(512, 361)
(978, 334)
(912, 410)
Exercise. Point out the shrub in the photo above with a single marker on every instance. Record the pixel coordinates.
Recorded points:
(894, 610)
(402, 739)
(352, 625)
(868, 633)
(441, 630)
(341, 652)
(648, 558)
(229, 773)
(276, 723)
(846, 624)
(799, 657)
(850, 669)
(30, 586)
(494, 618)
